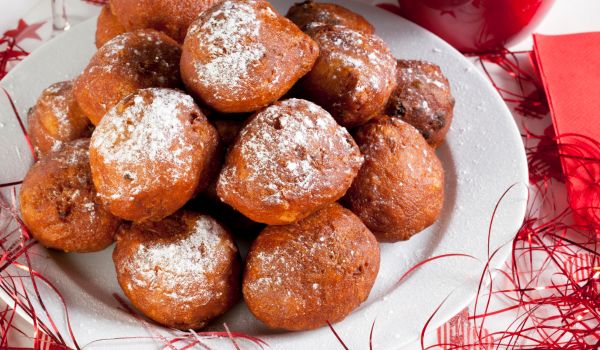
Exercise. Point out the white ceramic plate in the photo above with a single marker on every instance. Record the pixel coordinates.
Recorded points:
(483, 155)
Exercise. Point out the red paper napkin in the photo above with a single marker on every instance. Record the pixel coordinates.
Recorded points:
(569, 66)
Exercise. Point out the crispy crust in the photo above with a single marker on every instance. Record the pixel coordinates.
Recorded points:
(177, 275)
(241, 56)
(423, 99)
(56, 118)
(353, 76)
(107, 27)
(128, 62)
(399, 190)
(288, 161)
(151, 180)
(59, 204)
(172, 17)
(307, 12)
(319, 269)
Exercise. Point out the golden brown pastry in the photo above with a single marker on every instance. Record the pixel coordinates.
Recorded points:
(309, 12)
(59, 204)
(353, 77)
(128, 62)
(423, 99)
(56, 118)
(241, 56)
(399, 190)
(151, 153)
(172, 17)
(319, 269)
(107, 27)
(288, 161)
(182, 271)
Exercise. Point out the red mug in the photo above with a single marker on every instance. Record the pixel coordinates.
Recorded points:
(475, 26)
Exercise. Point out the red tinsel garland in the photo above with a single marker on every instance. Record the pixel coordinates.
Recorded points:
(543, 158)
(551, 283)
(10, 50)
(529, 98)
(97, 2)
(552, 280)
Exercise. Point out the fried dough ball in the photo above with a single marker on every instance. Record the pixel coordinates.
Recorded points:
(128, 62)
(107, 27)
(353, 77)
(423, 99)
(319, 269)
(308, 12)
(56, 118)
(182, 271)
(151, 153)
(241, 56)
(59, 203)
(172, 17)
(399, 190)
(291, 159)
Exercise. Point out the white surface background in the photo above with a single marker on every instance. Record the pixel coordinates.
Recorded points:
(567, 16)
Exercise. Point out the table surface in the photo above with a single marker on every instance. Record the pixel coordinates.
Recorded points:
(566, 16)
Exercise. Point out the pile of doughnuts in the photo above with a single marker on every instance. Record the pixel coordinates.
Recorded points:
(198, 121)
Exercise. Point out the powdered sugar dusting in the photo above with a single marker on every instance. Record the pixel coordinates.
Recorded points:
(110, 52)
(291, 150)
(423, 86)
(276, 258)
(76, 154)
(57, 99)
(230, 37)
(80, 192)
(56, 145)
(180, 266)
(429, 76)
(348, 48)
(139, 47)
(296, 262)
(145, 132)
(59, 109)
(54, 88)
